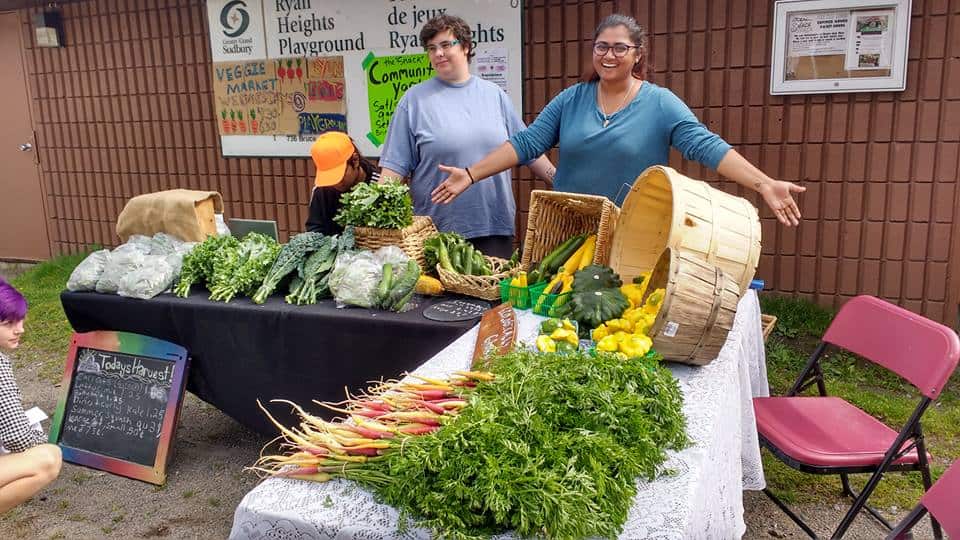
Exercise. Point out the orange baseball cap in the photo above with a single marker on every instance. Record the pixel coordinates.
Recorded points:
(331, 152)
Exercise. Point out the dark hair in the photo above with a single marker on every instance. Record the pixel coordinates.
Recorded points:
(456, 25)
(365, 164)
(638, 35)
(13, 306)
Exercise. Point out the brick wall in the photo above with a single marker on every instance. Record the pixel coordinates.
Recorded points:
(126, 108)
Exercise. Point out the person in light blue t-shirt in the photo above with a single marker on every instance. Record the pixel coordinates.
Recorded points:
(614, 126)
(455, 118)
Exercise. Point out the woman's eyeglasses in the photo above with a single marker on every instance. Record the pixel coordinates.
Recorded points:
(600, 48)
(442, 46)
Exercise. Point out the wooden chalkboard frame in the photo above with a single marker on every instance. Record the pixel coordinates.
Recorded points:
(134, 345)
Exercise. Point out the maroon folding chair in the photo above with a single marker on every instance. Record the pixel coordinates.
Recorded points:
(828, 435)
(942, 501)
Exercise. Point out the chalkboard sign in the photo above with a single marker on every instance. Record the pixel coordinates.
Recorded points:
(120, 400)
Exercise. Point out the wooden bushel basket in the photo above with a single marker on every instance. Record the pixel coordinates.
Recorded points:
(409, 239)
(698, 308)
(665, 209)
(556, 216)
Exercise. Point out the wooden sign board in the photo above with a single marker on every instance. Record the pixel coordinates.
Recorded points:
(497, 333)
(120, 399)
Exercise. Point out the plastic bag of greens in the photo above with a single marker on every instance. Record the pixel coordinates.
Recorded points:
(164, 244)
(175, 259)
(85, 276)
(391, 255)
(137, 242)
(354, 278)
(123, 260)
(149, 280)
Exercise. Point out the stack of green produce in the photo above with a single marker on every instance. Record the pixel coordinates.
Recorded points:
(384, 205)
(309, 284)
(228, 266)
(595, 298)
(455, 254)
(313, 272)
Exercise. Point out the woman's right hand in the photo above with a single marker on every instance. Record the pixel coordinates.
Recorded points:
(453, 185)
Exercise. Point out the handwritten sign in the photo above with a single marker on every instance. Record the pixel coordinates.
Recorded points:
(456, 310)
(285, 96)
(388, 77)
(497, 333)
(121, 397)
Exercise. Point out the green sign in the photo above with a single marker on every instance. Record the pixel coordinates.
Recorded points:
(388, 77)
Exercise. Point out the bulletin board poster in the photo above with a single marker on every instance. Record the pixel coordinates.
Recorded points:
(285, 71)
(839, 46)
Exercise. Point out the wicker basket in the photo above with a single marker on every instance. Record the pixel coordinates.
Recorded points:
(667, 209)
(409, 239)
(556, 216)
(485, 287)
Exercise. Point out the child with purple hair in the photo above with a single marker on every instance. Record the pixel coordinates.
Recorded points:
(30, 464)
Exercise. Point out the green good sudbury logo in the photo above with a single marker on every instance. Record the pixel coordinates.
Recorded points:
(234, 18)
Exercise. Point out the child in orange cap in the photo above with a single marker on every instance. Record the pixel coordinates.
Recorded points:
(339, 167)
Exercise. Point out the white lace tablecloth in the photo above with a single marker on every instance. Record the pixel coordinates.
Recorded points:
(702, 499)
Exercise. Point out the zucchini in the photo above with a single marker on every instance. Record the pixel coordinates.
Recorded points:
(468, 259)
(566, 253)
(544, 269)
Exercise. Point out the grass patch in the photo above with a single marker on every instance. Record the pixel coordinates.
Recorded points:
(47, 335)
(800, 324)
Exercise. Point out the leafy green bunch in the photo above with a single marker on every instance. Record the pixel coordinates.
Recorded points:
(199, 262)
(242, 269)
(552, 448)
(385, 205)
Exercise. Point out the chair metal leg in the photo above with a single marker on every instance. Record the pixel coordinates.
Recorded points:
(845, 483)
(902, 531)
(796, 519)
(927, 480)
(868, 508)
(859, 503)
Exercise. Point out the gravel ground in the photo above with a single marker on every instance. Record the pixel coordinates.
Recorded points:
(205, 483)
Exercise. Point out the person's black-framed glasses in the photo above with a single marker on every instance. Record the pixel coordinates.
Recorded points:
(600, 48)
(442, 46)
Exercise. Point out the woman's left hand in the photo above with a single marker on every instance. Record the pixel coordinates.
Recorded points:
(453, 185)
(778, 194)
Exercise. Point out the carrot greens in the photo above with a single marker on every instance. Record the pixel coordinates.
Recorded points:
(551, 447)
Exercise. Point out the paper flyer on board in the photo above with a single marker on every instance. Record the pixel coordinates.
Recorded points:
(819, 33)
(492, 66)
(870, 45)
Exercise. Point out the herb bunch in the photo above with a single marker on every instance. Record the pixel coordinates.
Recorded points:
(552, 447)
(386, 205)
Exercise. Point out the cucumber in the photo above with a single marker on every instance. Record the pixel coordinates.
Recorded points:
(444, 257)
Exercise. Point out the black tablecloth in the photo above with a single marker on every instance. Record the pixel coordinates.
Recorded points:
(241, 352)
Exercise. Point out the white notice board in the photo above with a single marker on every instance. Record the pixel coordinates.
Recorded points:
(285, 55)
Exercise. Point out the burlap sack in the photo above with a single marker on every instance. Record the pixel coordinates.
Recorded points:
(183, 213)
